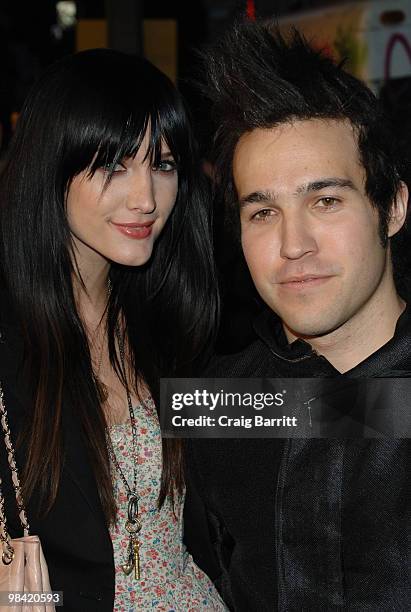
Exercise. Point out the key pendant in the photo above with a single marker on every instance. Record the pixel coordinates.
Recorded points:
(127, 568)
(131, 561)
(133, 526)
(136, 556)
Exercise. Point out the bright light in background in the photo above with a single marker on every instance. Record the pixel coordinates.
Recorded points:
(251, 10)
(66, 14)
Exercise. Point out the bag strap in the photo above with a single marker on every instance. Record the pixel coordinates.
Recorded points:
(8, 551)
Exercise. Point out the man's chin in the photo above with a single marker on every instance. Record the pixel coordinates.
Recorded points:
(309, 330)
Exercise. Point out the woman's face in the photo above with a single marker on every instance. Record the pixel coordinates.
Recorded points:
(120, 222)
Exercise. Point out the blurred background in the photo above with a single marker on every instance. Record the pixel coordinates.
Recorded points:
(373, 36)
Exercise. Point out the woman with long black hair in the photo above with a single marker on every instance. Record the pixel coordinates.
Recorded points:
(107, 285)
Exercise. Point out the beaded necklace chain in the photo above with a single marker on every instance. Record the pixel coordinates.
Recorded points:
(101, 387)
(133, 523)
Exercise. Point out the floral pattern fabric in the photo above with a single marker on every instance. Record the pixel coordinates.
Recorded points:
(169, 579)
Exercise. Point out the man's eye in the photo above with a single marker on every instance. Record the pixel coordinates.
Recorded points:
(165, 165)
(327, 202)
(263, 215)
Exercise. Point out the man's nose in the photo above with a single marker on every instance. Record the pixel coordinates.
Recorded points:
(297, 237)
(140, 196)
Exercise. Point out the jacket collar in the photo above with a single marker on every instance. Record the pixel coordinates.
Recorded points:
(392, 359)
(269, 328)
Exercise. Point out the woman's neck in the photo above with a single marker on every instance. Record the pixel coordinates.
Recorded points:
(91, 305)
(90, 286)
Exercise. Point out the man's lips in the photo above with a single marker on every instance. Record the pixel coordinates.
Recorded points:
(138, 231)
(304, 282)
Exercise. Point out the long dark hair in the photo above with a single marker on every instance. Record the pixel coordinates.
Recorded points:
(89, 110)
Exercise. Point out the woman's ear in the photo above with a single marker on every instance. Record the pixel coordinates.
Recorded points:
(398, 210)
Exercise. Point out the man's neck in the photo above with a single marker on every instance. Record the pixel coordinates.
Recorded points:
(362, 335)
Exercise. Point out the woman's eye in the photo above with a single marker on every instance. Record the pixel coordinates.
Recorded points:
(120, 167)
(165, 165)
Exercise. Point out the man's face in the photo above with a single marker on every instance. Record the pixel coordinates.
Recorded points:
(309, 232)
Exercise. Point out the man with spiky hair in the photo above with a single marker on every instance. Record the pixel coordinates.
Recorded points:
(305, 161)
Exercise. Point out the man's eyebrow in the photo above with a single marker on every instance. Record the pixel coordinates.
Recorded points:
(269, 197)
(324, 183)
(256, 197)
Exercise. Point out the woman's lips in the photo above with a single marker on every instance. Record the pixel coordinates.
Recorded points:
(137, 231)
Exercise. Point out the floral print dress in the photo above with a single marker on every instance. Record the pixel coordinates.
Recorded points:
(169, 579)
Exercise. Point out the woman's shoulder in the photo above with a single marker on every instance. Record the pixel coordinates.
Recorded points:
(8, 313)
(11, 335)
(12, 376)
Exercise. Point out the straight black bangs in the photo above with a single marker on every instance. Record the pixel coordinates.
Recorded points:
(105, 102)
(165, 133)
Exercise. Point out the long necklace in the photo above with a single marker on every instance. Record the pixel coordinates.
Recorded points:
(133, 523)
(102, 388)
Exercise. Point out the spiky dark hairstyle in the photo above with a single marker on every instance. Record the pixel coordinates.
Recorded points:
(257, 78)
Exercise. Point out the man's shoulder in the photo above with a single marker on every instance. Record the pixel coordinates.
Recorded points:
(250, 361)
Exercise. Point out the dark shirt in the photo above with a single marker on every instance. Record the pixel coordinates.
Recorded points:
(74, 534)
(303, 524)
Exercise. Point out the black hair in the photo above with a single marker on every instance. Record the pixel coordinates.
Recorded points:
(255, 77)
(89, 110)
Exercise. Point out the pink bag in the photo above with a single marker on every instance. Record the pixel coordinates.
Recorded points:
(23, 567)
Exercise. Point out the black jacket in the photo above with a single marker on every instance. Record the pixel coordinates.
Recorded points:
(303, 524)
(74, 536)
